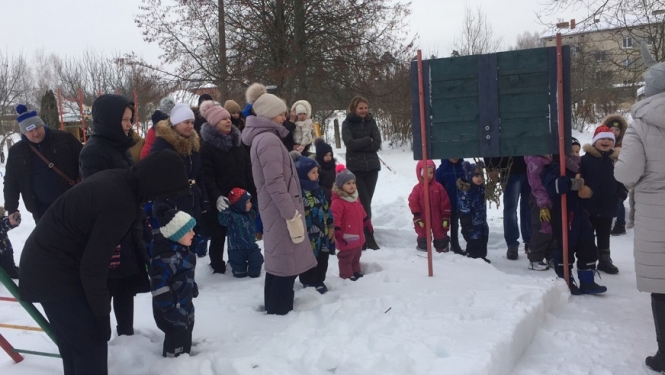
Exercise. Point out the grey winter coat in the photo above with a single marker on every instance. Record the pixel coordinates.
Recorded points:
(640, 166)
(278, 190)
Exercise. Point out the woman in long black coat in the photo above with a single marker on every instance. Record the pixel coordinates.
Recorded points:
(226, 165)
(108, 148)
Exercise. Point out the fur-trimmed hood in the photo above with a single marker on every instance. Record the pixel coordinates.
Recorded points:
(623, 125)
(183, 146)
(463, 185)
(589, 149)
(222, 141)
(341, 194)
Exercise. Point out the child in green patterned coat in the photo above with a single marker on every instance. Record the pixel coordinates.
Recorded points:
(318, 217)
(238, 216)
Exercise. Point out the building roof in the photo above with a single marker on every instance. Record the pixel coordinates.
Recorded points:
(602, 23)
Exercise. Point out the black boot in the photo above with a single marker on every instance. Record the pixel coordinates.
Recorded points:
(512, 253)
(605, 263)
(442, 245)
(422, 244)
(618, 230)
(370, 241)
(657, 362)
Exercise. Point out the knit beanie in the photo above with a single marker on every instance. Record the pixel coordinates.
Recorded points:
(204, 97)
(238, 198)
(180, 113)
(213, 113)
(575, 142)
(322, 148)
(232, 106)
(304, 165)
(158, 116)
(602, 132)
(471, 170)
(264, 104)
(27, 121)
(174, 224)
(654, 78)
(343, 176)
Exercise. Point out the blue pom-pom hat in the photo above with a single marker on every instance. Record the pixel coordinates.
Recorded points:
(27, 120)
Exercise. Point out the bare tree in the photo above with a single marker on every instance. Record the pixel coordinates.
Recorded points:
(527, 40)
(477, 35)
(15, 88)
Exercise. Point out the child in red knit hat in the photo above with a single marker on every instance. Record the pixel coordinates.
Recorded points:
(597, 170)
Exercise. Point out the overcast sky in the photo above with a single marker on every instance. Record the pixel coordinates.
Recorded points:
(68, 27)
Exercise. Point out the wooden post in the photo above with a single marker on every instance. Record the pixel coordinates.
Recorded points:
(423, 140)
(562, 157)
(338, 142)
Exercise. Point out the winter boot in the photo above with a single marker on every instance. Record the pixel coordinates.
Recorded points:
(370, 241)
(357, 275)
(618, 230)
(512, 253)
(321, 288)
(538, 266)
(605, 263)
(657, 362)
(220, 269)
(457, 249)
(587, 284)
(442, 245)
(422, 244)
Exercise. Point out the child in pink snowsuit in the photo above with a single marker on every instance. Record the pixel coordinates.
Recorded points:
(439, 209)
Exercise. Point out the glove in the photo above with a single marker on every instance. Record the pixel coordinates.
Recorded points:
(466, 223)
(576, 183)
(367, 224)
(222, 203)
(101, 328)
(583, 191)
(446, 223)
(296, 228)
(545, 215)
(418, 221)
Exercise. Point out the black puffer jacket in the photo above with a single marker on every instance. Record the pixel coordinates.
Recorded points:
(362, 139)
(597, 170)
(108, 147)
(67, 255)
(189, 150)
(61, 148)
(226, 165)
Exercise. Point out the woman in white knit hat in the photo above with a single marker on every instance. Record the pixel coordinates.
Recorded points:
(287, 253)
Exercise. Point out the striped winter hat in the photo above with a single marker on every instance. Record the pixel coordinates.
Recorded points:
(27, 120)
(174, 224)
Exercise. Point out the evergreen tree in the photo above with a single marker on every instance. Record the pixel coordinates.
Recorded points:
(49, 110)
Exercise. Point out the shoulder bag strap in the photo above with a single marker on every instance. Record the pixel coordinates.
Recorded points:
(52, 166)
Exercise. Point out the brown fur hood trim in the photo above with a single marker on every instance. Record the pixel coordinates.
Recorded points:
(183, 146)
(344, 195)
(623, 124)
(464, 186)
(589, 149)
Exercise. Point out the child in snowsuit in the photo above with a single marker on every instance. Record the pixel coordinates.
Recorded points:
(473, 210)
(580, 231)
(447, 175)
(350, 222)
(542, 244)
(618, 125)
(6, 249)
(598, 172)
(172, 280)
(320, 228)
(245, 256)
(303, 133)
(327, 164)
(439, 209)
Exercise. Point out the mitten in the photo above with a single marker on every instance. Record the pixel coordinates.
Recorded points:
(576, 183)
(417, 220)
(367, 224)
(545, 214)
(222, 203)
(584, 191)
(101, 328)
(296, 228)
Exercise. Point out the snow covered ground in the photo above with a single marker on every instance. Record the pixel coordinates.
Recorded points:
(470, 318)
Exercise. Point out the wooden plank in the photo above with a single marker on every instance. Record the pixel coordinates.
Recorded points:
(454, 110)
(459, 88)
(462, 67)
(523, 61)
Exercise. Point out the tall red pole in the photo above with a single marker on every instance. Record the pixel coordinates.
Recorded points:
(562, 156)
(85, 137)
(62, 120)
(136, 112)
(423, 141)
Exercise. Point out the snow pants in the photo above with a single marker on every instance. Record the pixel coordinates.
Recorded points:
(542, 245)
(245, 262)
(349, 262)
(580, 242)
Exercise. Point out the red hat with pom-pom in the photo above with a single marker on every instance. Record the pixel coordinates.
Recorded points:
(238, 198)
(343, 175)
(603, 132)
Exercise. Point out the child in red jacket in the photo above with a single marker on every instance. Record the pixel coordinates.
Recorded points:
(350, 221)
(439, 209)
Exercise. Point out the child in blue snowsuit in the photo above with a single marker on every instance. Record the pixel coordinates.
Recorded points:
(245, 256)
(6, 249)
(319, 219)
(580, 232)
(447, 175)
(473, 210)
(172, 280)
